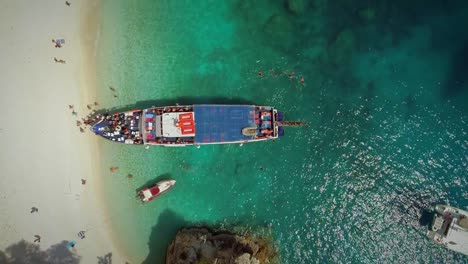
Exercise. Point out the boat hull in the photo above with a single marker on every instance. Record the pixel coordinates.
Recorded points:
(191, 125)
(149, 193)
(449, 228)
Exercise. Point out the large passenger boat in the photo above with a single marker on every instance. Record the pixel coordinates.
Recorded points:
(191, 125)
(450, 228)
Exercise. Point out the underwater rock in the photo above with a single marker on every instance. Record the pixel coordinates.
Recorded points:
(343, 47)
(280, 29)
(200, 245)
(367, 14)
(296, 6)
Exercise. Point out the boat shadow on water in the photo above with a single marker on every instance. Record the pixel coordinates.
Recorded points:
(426, 217)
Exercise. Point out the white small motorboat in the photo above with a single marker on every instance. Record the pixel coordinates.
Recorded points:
(149, 193)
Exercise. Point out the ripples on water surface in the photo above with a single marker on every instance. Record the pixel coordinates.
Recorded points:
(385, 92)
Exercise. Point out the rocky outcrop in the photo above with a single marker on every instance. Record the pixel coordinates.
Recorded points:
(201, 246)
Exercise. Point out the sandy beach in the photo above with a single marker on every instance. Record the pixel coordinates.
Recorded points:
(44, 156)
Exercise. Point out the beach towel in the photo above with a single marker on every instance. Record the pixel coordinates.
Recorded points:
(71, 244)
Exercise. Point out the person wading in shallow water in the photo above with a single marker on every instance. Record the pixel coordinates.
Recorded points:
(34, 209)
(38, 238)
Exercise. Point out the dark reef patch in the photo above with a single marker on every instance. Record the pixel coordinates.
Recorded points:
(457, 81)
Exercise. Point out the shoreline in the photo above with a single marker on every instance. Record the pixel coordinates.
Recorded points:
(45, 168)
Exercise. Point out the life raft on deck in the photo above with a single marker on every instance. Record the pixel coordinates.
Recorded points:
(249, 131)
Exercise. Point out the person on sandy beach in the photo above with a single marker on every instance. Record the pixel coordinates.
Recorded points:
(89, 107)
(59, 61)
(74, 113)
(38, 238)
(71, 245)
(81, 234)
(83, 181)
(57, 44)
(71, 106)
(96, 103)
(34, 210)
(82, 130)
(67, 3)
(78, 123)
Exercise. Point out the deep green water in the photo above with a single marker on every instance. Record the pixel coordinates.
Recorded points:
(385, 93)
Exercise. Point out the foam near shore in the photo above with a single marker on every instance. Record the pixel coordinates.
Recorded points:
(44, 155)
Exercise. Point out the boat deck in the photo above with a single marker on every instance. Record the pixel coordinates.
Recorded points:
(223, 123)
(121, 127)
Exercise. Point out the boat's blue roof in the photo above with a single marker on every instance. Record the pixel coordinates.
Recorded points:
(222, 123)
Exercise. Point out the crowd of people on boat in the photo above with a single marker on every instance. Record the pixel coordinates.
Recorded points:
(263, 119)
(170, 109)
(121, 127)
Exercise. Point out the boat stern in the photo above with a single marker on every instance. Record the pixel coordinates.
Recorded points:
(145, 195)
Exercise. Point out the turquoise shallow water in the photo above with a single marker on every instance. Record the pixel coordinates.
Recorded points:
(385, 93)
